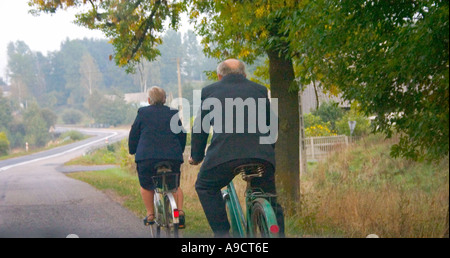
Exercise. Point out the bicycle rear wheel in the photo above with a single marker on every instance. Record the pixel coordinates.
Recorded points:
(158, 205)
(171, 225)
(263, 222)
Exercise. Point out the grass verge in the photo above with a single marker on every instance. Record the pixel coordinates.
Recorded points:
(362, 190)
(357, 191)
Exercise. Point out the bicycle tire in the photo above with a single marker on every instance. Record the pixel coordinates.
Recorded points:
(158, 231)
(158, 215)
(171, 228)
(263, 222)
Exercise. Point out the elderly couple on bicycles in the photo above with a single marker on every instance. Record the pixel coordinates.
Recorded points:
(152, 141)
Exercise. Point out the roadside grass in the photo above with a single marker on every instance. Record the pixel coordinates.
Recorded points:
(357, 191)
(117, 184)
(361, 190)
(102, 156)
(111, 154)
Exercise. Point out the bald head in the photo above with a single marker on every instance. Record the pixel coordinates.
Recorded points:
(156, 96)
(231, 66)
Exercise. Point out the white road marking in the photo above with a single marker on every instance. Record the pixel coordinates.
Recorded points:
(58, 154)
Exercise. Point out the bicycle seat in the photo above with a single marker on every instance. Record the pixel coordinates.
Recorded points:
(163, 167)
(251, 170)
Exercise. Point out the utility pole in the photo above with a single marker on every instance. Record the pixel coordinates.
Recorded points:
(180, 94)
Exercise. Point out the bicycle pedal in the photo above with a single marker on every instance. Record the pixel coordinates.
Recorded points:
(148, 223)
(225, 195)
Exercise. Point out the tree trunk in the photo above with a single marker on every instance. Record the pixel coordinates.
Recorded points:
(446, 225)
(287, 147)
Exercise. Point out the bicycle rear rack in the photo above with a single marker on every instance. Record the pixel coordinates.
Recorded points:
(165, 180)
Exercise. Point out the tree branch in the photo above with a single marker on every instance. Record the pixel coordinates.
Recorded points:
(148, 22)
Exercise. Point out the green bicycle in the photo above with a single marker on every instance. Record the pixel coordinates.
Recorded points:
(166, 211)
(260, 219)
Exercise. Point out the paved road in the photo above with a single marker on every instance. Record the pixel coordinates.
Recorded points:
(37, 200)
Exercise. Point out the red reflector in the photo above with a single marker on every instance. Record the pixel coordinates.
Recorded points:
(274, 229)
(176, 213)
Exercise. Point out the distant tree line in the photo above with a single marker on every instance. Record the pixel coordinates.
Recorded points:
(69, 76)
(81, 82)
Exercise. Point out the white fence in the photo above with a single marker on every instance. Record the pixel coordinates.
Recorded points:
(318, 148)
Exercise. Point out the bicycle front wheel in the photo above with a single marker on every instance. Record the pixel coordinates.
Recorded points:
(263, 221)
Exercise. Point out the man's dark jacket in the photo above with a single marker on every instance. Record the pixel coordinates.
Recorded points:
(225, 147)
(151, 136)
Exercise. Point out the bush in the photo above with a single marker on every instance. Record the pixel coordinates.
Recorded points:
(319, 130)
(362, 123)
(49, 116)
(4, 144)
(126, 160)
(311, 120)
(72, 116)
(36, 126)
(17, 134)
(73, 135)
(329, 112)
(315, 126)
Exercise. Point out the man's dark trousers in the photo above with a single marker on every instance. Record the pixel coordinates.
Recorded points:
(210, 182)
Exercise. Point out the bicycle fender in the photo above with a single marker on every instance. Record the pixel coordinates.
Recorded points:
(175, 220)
(270, 213)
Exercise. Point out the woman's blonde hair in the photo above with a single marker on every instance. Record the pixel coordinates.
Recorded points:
(156, 96)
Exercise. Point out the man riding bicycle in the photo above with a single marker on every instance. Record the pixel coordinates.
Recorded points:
(235, 142)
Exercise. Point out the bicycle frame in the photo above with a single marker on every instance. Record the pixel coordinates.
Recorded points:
(237, 220)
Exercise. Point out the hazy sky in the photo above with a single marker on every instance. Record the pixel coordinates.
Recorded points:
(43, 33)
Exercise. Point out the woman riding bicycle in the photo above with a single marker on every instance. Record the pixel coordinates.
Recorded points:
(153, 141)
